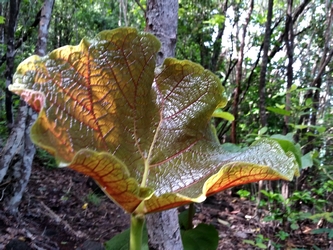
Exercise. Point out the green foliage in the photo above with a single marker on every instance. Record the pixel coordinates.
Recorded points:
(260, 242)
(328, 231)
(2, 19)
(121, 241)
(45, 158)
(185, 218)
(202, 237)
(243, 193)
(93, 198)
(282, 235)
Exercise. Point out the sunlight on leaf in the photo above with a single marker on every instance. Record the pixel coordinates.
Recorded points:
(279, 111)
(224, 115)
(142, 132)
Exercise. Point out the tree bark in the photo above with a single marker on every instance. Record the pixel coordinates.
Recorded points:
(24, 37)
(10, 55)
(217, 44)
(311, 118)
(239, 74)
(298, 11)
(289, 40)
(44, 25)
(19, 151)
(262, 79)
(162, 20)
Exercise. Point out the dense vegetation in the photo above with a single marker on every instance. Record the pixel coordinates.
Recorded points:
(274, 60)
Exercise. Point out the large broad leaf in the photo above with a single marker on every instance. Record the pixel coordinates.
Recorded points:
(143, 133)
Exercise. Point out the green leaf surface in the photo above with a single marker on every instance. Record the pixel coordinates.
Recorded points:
(288, 145)
(224, 115)
(202, 237)
(307, 160)
(142, 132)
(279, 111)
(2, 20)
(329, 231)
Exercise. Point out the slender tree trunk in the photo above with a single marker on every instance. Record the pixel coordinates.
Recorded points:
(262, 79)
(14, 7)
(24, 37)
(18, 154)
(239, 74)
(162, 20)
(218, 42)
(44, 24)
(289, 40)
(311, 119)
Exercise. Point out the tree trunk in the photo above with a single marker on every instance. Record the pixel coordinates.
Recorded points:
(44, 25)
(162, 20)
(289, 40)
(262, 79)
(18, 154)
(217, 44)
(311, 118)
(239, 74)
(10, 55)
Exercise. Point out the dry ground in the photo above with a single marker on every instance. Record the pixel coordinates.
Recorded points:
(58, 211)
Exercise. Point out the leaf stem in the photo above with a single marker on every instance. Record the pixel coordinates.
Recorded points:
(137, 222)
(191, 212)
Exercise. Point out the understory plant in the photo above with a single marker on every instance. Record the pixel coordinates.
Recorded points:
(142, 132)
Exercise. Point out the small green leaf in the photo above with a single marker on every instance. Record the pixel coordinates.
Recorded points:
(262, 131)
(307, 160)
(2, 19)
(216, 20)
(288, 145)
(279, 111)
(261, 245)
(184, 217)
(300, 126)
(250, 242)
(203, 237)
(320, 129)
(323, 230)
(294, 226)
(308, 102)
(293, 87)
(280, 106)
(224, 115)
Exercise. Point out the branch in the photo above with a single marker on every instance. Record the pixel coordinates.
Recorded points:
(25, 36)
(57, 219)
(295, 16)
(141, 7)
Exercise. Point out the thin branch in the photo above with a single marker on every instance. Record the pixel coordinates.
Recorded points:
(141, 7)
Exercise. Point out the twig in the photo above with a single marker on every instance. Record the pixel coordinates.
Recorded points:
(141, 7)
(57, 219)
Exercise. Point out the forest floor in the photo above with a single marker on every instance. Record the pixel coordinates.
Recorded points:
(59, 211)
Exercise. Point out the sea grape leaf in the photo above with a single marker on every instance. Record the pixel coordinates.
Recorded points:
(142, 132)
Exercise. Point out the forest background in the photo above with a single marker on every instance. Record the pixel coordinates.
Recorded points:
(274, 59)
